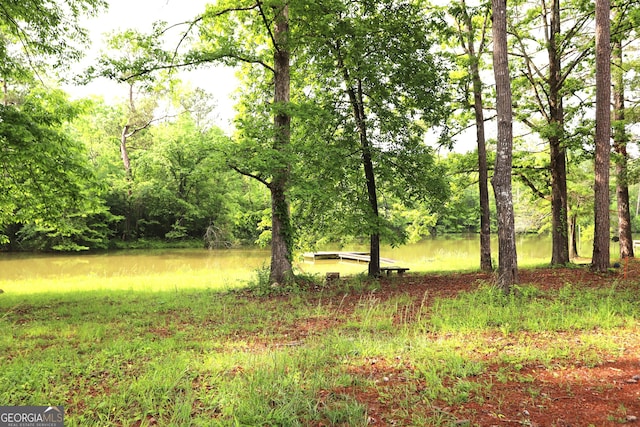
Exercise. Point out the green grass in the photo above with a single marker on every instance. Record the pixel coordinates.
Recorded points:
(186, 279)
(208, 357)
(529, 309)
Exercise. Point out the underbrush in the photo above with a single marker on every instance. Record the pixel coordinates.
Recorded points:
(261, 286)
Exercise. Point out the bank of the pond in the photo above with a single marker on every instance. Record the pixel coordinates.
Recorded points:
(188, 268)
(424, 349)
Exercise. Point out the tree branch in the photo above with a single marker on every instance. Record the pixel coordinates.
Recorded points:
(267, 25)
(532, 186)
(195, 62)
(145, 126)
(250, 175)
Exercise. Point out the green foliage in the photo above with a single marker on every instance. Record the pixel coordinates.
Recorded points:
(572, 49)
(182, 167)
(460, 214)
(43, 29)
(381, 53)
(415, 223)
(78, 232)
(131, 57)
(183, 190)
(180, 188)
(461, 211)
(465, 39)
(252, 151)
(48, 184)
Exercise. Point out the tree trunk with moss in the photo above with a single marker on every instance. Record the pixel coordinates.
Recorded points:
(281, 230)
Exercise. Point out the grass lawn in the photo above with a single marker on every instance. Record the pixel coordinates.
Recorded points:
(424, 350)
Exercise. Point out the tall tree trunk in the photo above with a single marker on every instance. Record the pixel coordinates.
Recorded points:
(124, 152)
(622, 157)
(367, 164)
(507, 255)
(126, 162)
(560, 232)
(281, 268)
(356, 99)
(126, 134)
(5, 92)
(573, 236)
(601, 257)
(281, 231)
(483, 175)
(124, 155)
(559, 229)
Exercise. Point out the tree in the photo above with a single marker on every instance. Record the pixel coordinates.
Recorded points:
(383, 88)
(460, 212)
(127, 57)
(545, 93)
(44, 29)
(128, 53)
(580, 196)
(281, 237)
(36, 36)
(601, 258)
(507, 255)
(47, 184)
(467, 36)
(257, 33)
(182, 185)
(620, 137)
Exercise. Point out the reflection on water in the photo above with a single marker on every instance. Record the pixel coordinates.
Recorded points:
(130, 263)
(449, 253)
(442, 253)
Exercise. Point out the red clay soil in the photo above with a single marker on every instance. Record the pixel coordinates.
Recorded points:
(565, 395)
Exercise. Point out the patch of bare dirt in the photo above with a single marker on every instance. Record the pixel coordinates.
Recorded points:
(568, 395)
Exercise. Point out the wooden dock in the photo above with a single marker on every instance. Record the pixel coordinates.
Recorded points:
(344, 256)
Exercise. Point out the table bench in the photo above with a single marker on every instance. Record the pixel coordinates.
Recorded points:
(388, 270)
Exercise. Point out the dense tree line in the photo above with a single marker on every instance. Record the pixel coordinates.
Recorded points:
(345, 118)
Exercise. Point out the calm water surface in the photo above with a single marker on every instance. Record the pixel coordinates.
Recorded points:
(212, 268)
(132, 262)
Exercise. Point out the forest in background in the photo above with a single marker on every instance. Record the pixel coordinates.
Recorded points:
(357, 145)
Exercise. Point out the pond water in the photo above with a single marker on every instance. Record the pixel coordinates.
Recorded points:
(187, 268)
